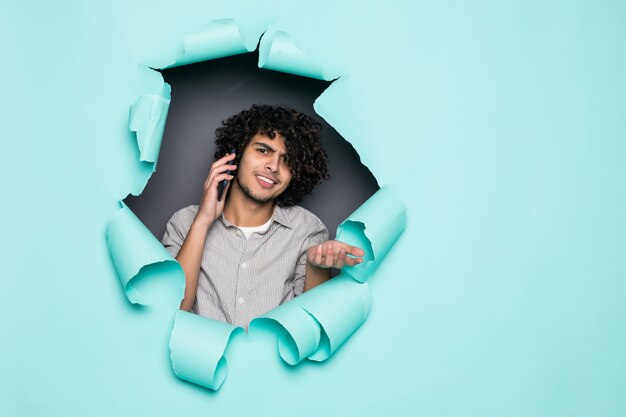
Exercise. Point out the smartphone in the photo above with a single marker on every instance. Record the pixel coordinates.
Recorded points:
(221, 187)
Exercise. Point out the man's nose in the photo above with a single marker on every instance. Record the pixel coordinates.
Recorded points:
(272, 163)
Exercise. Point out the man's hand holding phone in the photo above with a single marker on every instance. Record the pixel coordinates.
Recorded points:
(211, 207)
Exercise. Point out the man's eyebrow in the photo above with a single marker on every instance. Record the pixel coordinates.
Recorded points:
(266, 146)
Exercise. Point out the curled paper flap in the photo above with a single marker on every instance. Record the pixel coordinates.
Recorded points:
(279, 52)
(374, 227)
(220, 38)
(338, 307)
(301, 332)
(197, 346)
(138, 256)
(147, 118)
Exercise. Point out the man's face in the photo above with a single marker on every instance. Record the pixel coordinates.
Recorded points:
(262, 173)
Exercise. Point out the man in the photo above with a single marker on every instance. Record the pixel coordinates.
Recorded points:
(254, 249)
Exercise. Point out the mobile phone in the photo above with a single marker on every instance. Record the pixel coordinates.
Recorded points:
(221, 187)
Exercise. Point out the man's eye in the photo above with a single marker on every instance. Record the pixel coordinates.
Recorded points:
(262, 150)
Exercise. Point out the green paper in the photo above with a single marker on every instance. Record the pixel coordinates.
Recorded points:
(374, 227)
(502, 126)
(218, 39)
(301, 332)
(197, 346)
(136, 254)
(340, 306)
(320, 320)
(313, 325)
(279, 52)
(147, 118)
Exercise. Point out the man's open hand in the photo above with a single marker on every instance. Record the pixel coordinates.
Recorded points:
(334, 254)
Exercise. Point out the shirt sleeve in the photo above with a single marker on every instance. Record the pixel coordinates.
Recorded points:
(319, 235)
(174, 235)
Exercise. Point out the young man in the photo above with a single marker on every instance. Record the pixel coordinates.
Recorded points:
(253, 249)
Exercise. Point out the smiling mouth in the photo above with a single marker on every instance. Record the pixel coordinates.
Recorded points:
(265, 182)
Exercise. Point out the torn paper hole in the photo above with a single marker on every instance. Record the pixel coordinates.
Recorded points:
(314, 324)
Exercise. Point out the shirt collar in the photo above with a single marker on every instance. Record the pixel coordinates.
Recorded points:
(280, 216)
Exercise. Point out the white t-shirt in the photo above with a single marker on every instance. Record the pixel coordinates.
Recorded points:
(247, 231)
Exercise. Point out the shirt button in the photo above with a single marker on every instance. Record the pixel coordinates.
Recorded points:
(240, 300)
(244, 265)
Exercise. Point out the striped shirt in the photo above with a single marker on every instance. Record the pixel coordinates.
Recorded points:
(240, 278)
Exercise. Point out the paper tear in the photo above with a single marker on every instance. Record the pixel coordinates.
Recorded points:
(220, 38)
(133, 250)
(315, 324)
(301, 335)
(340, 306)
(354, 231)
(384, 217)
(147, 118)
(339, 105)
(197, 349)
(337, 308)
(279, 52)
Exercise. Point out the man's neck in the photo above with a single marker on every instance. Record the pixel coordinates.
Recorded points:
(242, 211)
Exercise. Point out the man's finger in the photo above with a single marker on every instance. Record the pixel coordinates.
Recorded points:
(222, 168)
(341, 259)
(218, 178)
(329, 255)
(318, 255)
(355, 251)
(353, 261)
(216, 171)
(224, 159)
(352, 250)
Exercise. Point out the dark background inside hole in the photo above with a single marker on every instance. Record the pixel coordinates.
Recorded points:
(206, 93)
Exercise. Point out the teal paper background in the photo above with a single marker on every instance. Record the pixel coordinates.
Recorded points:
(503, 122)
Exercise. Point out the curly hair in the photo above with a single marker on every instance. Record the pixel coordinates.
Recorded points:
(305, 156)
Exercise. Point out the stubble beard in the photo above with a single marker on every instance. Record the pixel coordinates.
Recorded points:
(248, 192)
